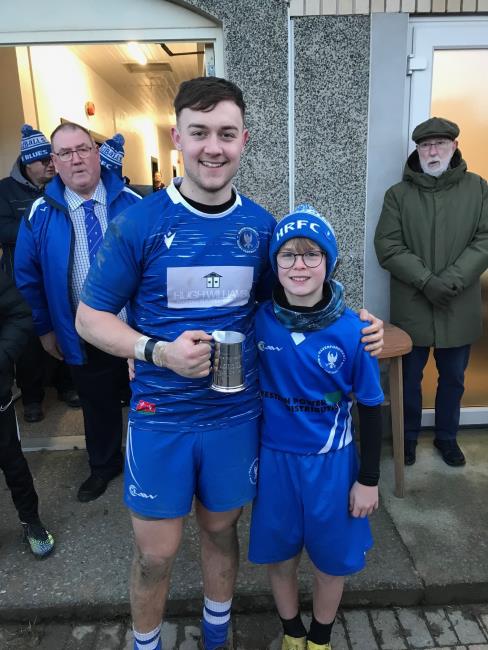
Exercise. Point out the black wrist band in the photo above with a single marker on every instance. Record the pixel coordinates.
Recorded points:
(149, 349)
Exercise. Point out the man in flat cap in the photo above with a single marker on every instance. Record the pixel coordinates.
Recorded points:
(432, 237)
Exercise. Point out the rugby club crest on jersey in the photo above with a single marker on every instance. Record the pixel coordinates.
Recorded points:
(248, 240)
(331, 358)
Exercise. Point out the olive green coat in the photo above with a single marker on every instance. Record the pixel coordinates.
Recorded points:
(435, 226)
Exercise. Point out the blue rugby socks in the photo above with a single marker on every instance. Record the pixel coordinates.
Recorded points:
(148, 640)
(215, 624)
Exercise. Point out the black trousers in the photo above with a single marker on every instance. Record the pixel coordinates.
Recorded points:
(451, 365)
(100, 383)
(36, 368)
(15, 467)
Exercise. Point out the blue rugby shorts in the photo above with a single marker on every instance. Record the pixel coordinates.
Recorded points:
(303, 501)
(164, 471)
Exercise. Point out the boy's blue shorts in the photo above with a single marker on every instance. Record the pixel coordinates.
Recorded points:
(303, 501)
(163, 471)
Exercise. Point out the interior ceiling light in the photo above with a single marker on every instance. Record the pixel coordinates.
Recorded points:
(136, 52)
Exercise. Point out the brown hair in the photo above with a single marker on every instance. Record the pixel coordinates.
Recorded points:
(302, 245)
(204, 93)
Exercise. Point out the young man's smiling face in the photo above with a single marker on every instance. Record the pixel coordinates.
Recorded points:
(211, 143)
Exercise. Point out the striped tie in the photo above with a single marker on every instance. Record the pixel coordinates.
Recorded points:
(93, 229)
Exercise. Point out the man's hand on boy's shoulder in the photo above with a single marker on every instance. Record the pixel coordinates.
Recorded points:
(373, 333)
(363, 499)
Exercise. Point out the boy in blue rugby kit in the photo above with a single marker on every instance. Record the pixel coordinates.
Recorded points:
(190, 259)
(310, 493)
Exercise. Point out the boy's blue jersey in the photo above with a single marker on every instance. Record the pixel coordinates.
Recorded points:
(307, 380)
(181, 269)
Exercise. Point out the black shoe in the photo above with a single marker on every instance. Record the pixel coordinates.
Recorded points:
(40, 540)
(70, 396)
(410, 449)
(92, 488)
(33, 412)
(450, 452)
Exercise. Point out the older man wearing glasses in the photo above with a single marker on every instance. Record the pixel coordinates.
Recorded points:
(432, 237)
(58, 241)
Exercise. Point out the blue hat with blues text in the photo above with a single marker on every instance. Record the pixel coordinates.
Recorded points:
(112, 153)
(33, 146)
(306, 221)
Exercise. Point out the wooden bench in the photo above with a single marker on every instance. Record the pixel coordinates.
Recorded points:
(397, 343)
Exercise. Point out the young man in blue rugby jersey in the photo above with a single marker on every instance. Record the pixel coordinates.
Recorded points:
(193, 259)
(310, 494)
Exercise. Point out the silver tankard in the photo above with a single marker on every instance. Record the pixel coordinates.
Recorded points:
(227, 366)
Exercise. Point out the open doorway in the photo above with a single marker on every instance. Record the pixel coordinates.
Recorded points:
(110, 88)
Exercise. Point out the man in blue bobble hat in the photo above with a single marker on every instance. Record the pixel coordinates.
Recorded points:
(32, 170)
(30, 173)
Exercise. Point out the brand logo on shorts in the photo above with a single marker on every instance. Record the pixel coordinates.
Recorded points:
(134, 493)
(331, 358)
(253, 471)
(248, 240)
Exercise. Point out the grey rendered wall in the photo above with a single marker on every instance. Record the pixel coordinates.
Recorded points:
(387, 145)
(331, 121)
(255, 50)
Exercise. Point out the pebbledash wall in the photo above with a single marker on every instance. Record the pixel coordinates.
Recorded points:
(331, 78)
(342, 140)
(255, 51)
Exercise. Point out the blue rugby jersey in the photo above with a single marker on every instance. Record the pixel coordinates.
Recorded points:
(307, 380)
(181, 269)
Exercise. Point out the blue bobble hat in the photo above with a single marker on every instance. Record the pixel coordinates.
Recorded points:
(34, 145)
(112, 153)
(306, 221)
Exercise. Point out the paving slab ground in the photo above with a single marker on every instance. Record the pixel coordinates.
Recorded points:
(430, 547)
(448, 628)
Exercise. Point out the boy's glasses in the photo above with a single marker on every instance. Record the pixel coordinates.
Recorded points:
(67, 154)
(312, 259)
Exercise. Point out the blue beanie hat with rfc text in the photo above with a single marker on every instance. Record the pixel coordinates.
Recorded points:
(306, 221)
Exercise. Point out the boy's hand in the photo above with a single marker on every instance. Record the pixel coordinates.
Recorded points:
(373, 334)
(363, 500)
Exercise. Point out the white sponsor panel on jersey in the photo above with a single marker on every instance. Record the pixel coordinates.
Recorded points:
(209, 286)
